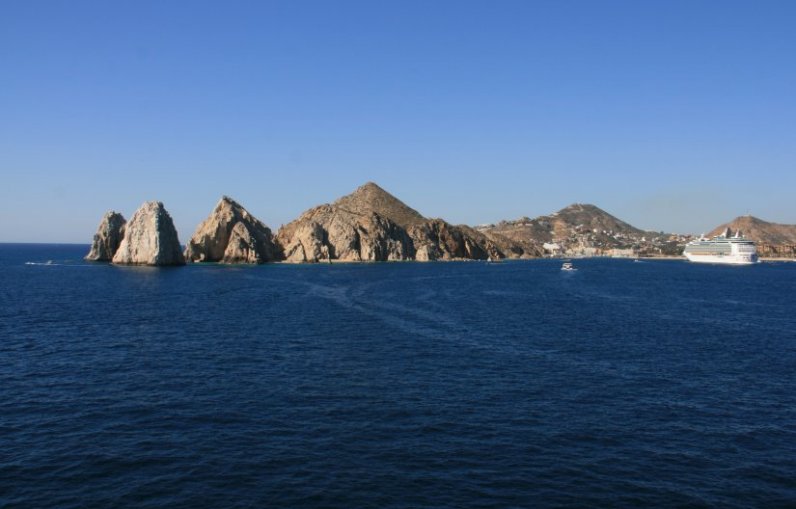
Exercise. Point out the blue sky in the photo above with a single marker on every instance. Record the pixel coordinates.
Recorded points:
(671, 115)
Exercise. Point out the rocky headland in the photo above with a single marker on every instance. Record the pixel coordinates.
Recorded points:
(232, 235)
(150, 239)
(370, 224)
(108, 237)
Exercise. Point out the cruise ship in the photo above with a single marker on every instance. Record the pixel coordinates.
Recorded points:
(725, 248)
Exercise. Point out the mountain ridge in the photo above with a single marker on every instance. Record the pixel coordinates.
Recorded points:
(370, 224)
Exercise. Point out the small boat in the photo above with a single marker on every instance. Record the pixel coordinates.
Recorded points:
(568, 266)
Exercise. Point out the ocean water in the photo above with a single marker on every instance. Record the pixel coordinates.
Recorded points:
(396, 385)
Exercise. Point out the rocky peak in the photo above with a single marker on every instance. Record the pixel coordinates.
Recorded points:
(230, 234)
(370, 198)
(226, 201)
(228, 206)
(150, 238)
(108, 237)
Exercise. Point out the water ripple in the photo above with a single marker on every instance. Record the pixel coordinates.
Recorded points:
(395, 385)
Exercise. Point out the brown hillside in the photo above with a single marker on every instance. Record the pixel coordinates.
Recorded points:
(759, 230)
(592, 217)
(575, 219)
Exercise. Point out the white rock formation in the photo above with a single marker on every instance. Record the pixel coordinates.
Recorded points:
(108, 237)
(150, 238)
(230, 234)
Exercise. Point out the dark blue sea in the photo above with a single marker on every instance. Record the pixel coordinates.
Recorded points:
(395, 385)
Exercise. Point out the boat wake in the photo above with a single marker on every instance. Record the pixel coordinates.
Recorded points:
(51, 263)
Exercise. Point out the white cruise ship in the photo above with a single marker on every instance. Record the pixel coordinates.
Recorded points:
(725, 248)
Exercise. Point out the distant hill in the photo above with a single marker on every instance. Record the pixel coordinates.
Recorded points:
(759, 230)
(773, 240)
(591, 217)
(583, 229)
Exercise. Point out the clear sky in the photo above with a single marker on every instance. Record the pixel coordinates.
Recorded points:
(671, 115)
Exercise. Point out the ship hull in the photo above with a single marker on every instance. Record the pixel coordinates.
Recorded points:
(723, 260)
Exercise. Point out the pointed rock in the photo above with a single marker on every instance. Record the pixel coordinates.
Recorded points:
(150, 238)
(108, 237)
(230, 234)
(371, 199)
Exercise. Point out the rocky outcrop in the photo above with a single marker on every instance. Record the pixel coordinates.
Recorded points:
(332, 233)
(357, 227)
(108, 237)
(370, 224)
(150, 238)
(304, 241)
(436, 239)
(232, 235)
